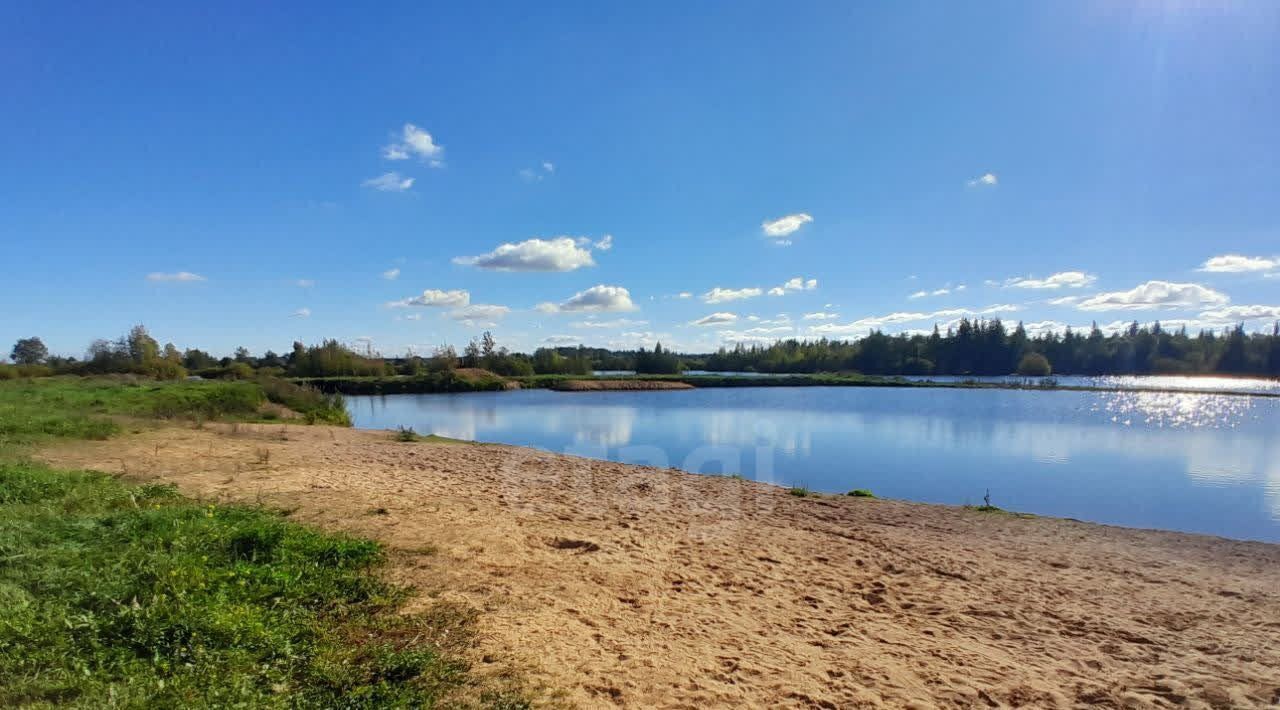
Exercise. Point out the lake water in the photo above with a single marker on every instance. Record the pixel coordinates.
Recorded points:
(1193, 462)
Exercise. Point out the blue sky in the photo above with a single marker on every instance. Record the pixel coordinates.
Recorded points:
(250, 175)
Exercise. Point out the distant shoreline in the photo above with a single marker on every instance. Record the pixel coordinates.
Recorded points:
(448, 382)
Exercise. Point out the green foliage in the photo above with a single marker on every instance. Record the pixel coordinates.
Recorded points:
(800, 492)
(976, 347)
(231, 371)
(29, 351)
(548, 361)
(13, 372)
(861, 493)
(315, 406)
(432, 382)
(1034, 365)
(658, 362)
(122, 596)
(331, 359)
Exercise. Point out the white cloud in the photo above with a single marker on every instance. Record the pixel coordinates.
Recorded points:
(684, 294)
(783, 227)
(302, 313)
(646, 339)
(415, 142)
(1155, 294)
(800, 284)
(561, 339)
(389, 182)
(615, 323)
(537, 174)
(944, 291)
(556, 254)
(605, 243)
(1236, 263)
(391, 274)
(796, 284)
(597, 299)
(304, 283)
(821, 316)
(716, 319)
(434, 298)
(177, 276)
(756, 335)
(1044, 327)
(1063, 300)
(1242, 313)
(724, 295)
(479, 312)
(984, 180)
(1062, 279)
(862, 325)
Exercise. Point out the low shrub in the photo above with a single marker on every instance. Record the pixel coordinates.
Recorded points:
(315, 406)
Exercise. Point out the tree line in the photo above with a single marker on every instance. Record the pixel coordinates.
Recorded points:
(973, 347)
(137, 352)
(987, 347)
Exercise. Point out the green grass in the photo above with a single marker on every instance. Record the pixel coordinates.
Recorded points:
(861, 493)
(74, 407)
(132, 596)
(800, 492)
(36, 410)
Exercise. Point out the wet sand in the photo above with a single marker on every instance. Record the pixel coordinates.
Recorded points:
(615, 585)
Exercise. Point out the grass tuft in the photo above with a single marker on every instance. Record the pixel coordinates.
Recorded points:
(407, 434)
(861, 493)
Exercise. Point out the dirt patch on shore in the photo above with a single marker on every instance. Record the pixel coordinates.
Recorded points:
(603, 385)
(638, 587)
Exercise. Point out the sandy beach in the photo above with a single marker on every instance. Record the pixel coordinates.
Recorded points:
(614, 585)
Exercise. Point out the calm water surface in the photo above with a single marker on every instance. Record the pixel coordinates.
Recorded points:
(1195, 462)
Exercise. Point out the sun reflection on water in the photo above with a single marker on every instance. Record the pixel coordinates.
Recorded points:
(1175, 409)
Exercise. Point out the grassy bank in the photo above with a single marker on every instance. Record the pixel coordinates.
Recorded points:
(93, 407)
(433, 382)
(120, 595)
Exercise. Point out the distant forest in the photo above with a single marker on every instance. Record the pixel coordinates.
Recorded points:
(989, 348)
(978, 347)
